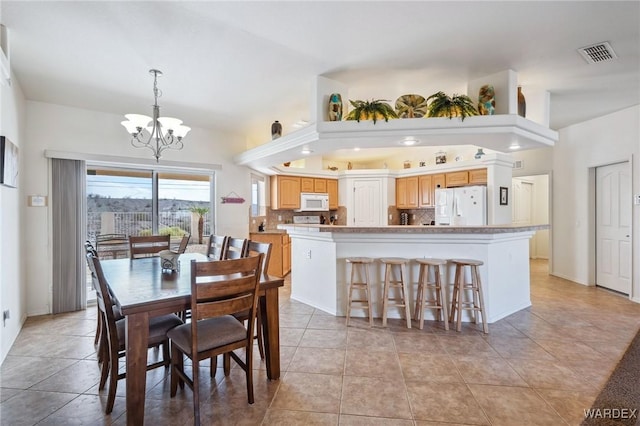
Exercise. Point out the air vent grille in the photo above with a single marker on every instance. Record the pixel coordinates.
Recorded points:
(518, 164)
(596, 53)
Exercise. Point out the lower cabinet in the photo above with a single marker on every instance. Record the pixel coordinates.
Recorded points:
(280, 260)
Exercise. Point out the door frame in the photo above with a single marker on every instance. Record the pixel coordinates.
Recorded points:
(593, 224)
(549, 175)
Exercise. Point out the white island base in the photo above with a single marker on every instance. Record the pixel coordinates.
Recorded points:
(320, 275)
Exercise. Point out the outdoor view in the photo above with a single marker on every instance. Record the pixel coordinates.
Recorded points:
(120, 201)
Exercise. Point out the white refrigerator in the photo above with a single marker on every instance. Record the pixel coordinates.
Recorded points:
(464, 206)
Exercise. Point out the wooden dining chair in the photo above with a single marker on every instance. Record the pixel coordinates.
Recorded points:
(236, 248)
(113, 328)
(145, 246)
(217, 246)
(254, 249)
(112, 246)
(219, 289)
(183, 243)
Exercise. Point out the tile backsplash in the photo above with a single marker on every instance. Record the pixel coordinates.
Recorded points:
(277, 217)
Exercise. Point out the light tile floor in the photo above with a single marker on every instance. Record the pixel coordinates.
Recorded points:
(540, 366)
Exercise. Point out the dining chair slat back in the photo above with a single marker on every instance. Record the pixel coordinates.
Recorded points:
(255, 248)
(183, 243)
(112, 246)
(145, 246)
(236, 248)
(217, 246)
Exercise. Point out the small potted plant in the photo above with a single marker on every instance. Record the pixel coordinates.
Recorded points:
(443, 105)
(371, 110)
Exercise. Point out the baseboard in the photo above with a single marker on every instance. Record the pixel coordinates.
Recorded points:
(554, 274)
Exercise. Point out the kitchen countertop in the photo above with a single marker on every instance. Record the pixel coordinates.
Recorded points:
(271, 231)
(414, 229)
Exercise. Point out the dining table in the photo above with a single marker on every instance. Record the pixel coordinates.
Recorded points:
(142, 289)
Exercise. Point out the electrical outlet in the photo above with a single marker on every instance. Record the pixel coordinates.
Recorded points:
(279, 218)
(636, 199)
(308, 254)
(5, 316)
(390, 217)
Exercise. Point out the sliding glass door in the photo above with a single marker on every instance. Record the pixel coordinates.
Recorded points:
(147, 202)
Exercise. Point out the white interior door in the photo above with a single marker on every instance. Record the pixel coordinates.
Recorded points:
(522, 210)
(613, 227)
(366, 203)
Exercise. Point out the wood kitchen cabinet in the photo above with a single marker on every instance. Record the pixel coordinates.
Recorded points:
(306, 184)
(478, 177)
(280, 260)
(285, 192)
(425, 190)
(317, 185)
(453, 179)
(437, 182)
(332, 190)
(407, 193)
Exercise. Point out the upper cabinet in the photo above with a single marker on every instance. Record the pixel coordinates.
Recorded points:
(332, 190)
(285, 192)
(407, 192)
(478, 177)
(419, 191)
(310, 184)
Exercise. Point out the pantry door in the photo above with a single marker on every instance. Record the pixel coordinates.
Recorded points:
(366, 202)
(613, 227)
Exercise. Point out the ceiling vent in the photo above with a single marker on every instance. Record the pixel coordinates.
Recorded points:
(600, 52)
(518, 164)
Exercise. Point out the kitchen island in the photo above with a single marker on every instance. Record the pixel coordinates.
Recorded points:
(320, 277)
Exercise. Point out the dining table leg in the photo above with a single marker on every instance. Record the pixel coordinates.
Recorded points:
(271, 331)
(137, 335)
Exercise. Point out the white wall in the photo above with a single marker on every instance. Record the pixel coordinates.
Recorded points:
(12, 289)
(60, 128)
(604, 140)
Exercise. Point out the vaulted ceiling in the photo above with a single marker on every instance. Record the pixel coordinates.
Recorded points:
(240, 65)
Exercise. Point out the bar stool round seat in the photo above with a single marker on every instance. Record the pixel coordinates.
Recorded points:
(423, 301)
(460, 287)
(360, 267)
(395, 265)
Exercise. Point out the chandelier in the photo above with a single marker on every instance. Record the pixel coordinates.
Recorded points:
(156, 133)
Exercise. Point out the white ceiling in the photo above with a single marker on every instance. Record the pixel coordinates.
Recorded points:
(240, 65)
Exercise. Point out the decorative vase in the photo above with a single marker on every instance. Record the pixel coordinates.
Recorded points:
(407, 164)
(349, 166)
(276, 130)
(522, 103)
(479, 154)
(441, 157)
(335, 107)
(486, 100)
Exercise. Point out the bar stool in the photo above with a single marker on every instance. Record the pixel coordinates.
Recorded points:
(361, 264)
(439, 302)
(476, 305)
(392, 264)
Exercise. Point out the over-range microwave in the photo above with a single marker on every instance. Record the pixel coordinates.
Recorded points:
(310, 202)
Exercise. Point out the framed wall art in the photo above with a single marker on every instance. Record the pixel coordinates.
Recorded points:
(8, 163)
(504, 196)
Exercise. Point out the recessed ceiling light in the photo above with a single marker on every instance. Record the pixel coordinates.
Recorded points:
(306, 151)
(356, 149)
(514, 146)
(409, 142)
